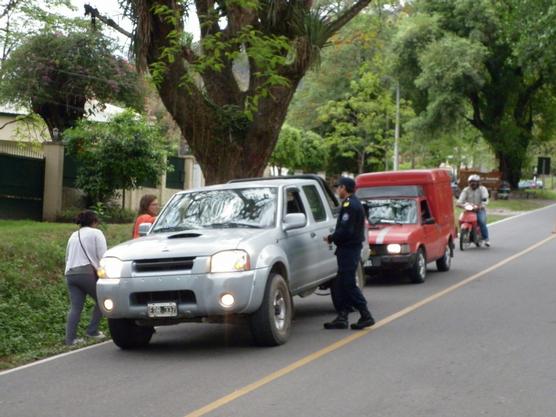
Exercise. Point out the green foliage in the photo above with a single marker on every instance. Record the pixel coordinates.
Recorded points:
(54, 74)
(314, 152)
(361, 126)
(33, 294)
(21, 19)
(480, 61)
(340, 63)
(118, 155)
(287, 153)
(107, 214)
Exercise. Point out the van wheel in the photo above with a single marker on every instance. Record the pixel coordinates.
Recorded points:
(271, 323)
(128, 335)
(418, 271)
(443, 264)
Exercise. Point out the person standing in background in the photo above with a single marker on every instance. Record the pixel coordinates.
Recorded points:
(84, 250)
(148, 210)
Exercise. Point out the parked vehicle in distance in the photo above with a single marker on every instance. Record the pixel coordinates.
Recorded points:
(215, 254)
(411, 220)
(530, 184)
(504, 189)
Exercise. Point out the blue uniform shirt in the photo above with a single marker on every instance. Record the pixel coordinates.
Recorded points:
(350, 226)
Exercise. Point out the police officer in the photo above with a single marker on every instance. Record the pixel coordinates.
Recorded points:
(348, 237)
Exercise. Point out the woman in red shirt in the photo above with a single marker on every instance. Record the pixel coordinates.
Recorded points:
(148, 209)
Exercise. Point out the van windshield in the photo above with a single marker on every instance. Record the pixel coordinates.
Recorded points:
(220, 209)
(396, 211)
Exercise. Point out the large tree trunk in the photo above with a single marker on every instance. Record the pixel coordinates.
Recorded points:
(510, 146)
(211, 113)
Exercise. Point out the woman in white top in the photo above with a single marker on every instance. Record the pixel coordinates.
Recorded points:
(85, 248)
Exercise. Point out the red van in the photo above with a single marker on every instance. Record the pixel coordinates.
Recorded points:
(411, 220)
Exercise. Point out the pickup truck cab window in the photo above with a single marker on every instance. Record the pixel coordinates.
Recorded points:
(294, 204)
(218, 209)
(315, 203)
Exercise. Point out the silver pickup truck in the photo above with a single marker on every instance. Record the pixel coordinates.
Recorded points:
(238, 250)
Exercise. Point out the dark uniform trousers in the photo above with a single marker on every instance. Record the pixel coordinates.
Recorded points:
(346, 292)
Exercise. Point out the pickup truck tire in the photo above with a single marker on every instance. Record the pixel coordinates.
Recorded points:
(271, 323)
(418, 272)
(128, 335)
(443, 264)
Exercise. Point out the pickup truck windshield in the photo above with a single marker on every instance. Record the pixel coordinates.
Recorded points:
(397, 211)
(220, 209)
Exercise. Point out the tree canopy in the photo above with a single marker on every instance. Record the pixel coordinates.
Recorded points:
(117, 155)
(55, 74)
(229, 93)
(487, 62)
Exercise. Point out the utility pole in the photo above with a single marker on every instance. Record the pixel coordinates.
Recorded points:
(397, 129)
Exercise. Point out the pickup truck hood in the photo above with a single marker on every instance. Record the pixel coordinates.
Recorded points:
(391, 233)
(202, 242)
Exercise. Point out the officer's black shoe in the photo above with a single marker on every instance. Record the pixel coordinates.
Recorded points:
(340, 322)
(366, 320)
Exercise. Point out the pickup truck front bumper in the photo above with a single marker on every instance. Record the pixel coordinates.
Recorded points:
(195, 295)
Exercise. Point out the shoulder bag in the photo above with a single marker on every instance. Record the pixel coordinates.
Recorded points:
(86, 254)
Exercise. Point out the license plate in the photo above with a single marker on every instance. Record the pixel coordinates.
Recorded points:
(162, 310)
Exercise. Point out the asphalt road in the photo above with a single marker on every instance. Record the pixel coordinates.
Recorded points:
(477, 340)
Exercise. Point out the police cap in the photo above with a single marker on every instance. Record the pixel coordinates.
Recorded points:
(347, 182)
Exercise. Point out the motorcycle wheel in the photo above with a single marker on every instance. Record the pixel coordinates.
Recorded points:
(464, 240)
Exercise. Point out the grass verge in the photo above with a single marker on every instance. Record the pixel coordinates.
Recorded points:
(33, 293)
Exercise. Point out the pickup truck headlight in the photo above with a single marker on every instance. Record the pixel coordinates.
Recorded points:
(110, 268)
(396, 248)
(230, 261)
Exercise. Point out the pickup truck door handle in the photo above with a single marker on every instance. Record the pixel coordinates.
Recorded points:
(313, 234)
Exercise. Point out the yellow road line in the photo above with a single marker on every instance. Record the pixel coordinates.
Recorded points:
(347, 340)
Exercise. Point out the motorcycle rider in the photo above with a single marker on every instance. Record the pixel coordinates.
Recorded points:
(476, 195)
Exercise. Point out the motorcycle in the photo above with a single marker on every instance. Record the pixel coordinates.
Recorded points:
(470, 232)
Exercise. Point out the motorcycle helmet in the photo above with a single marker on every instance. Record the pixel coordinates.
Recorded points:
(473, 177)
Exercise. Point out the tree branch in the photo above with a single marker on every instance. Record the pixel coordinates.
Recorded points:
(524, 98)
(95, 14)
(477, 120)
(205, 14)
(11, 5)
(349, 14)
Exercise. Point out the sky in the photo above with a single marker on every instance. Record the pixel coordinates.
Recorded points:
(111, 9)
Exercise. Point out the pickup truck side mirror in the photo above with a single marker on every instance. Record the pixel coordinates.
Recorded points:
(294, 221)
(144, 229)
(430, 220)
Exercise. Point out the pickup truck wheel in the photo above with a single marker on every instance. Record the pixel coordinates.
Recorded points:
(418, 271)
(443, 264)
(271, 323)
(128, 335)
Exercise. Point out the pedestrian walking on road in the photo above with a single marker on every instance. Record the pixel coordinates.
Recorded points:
(148, 210)
(348, 237)
(85, 248)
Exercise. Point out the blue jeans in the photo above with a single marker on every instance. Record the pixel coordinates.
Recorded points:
(482, 220)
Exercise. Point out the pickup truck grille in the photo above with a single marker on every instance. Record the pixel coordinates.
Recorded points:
(163, 265)
(378, 250)
(180, 297)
